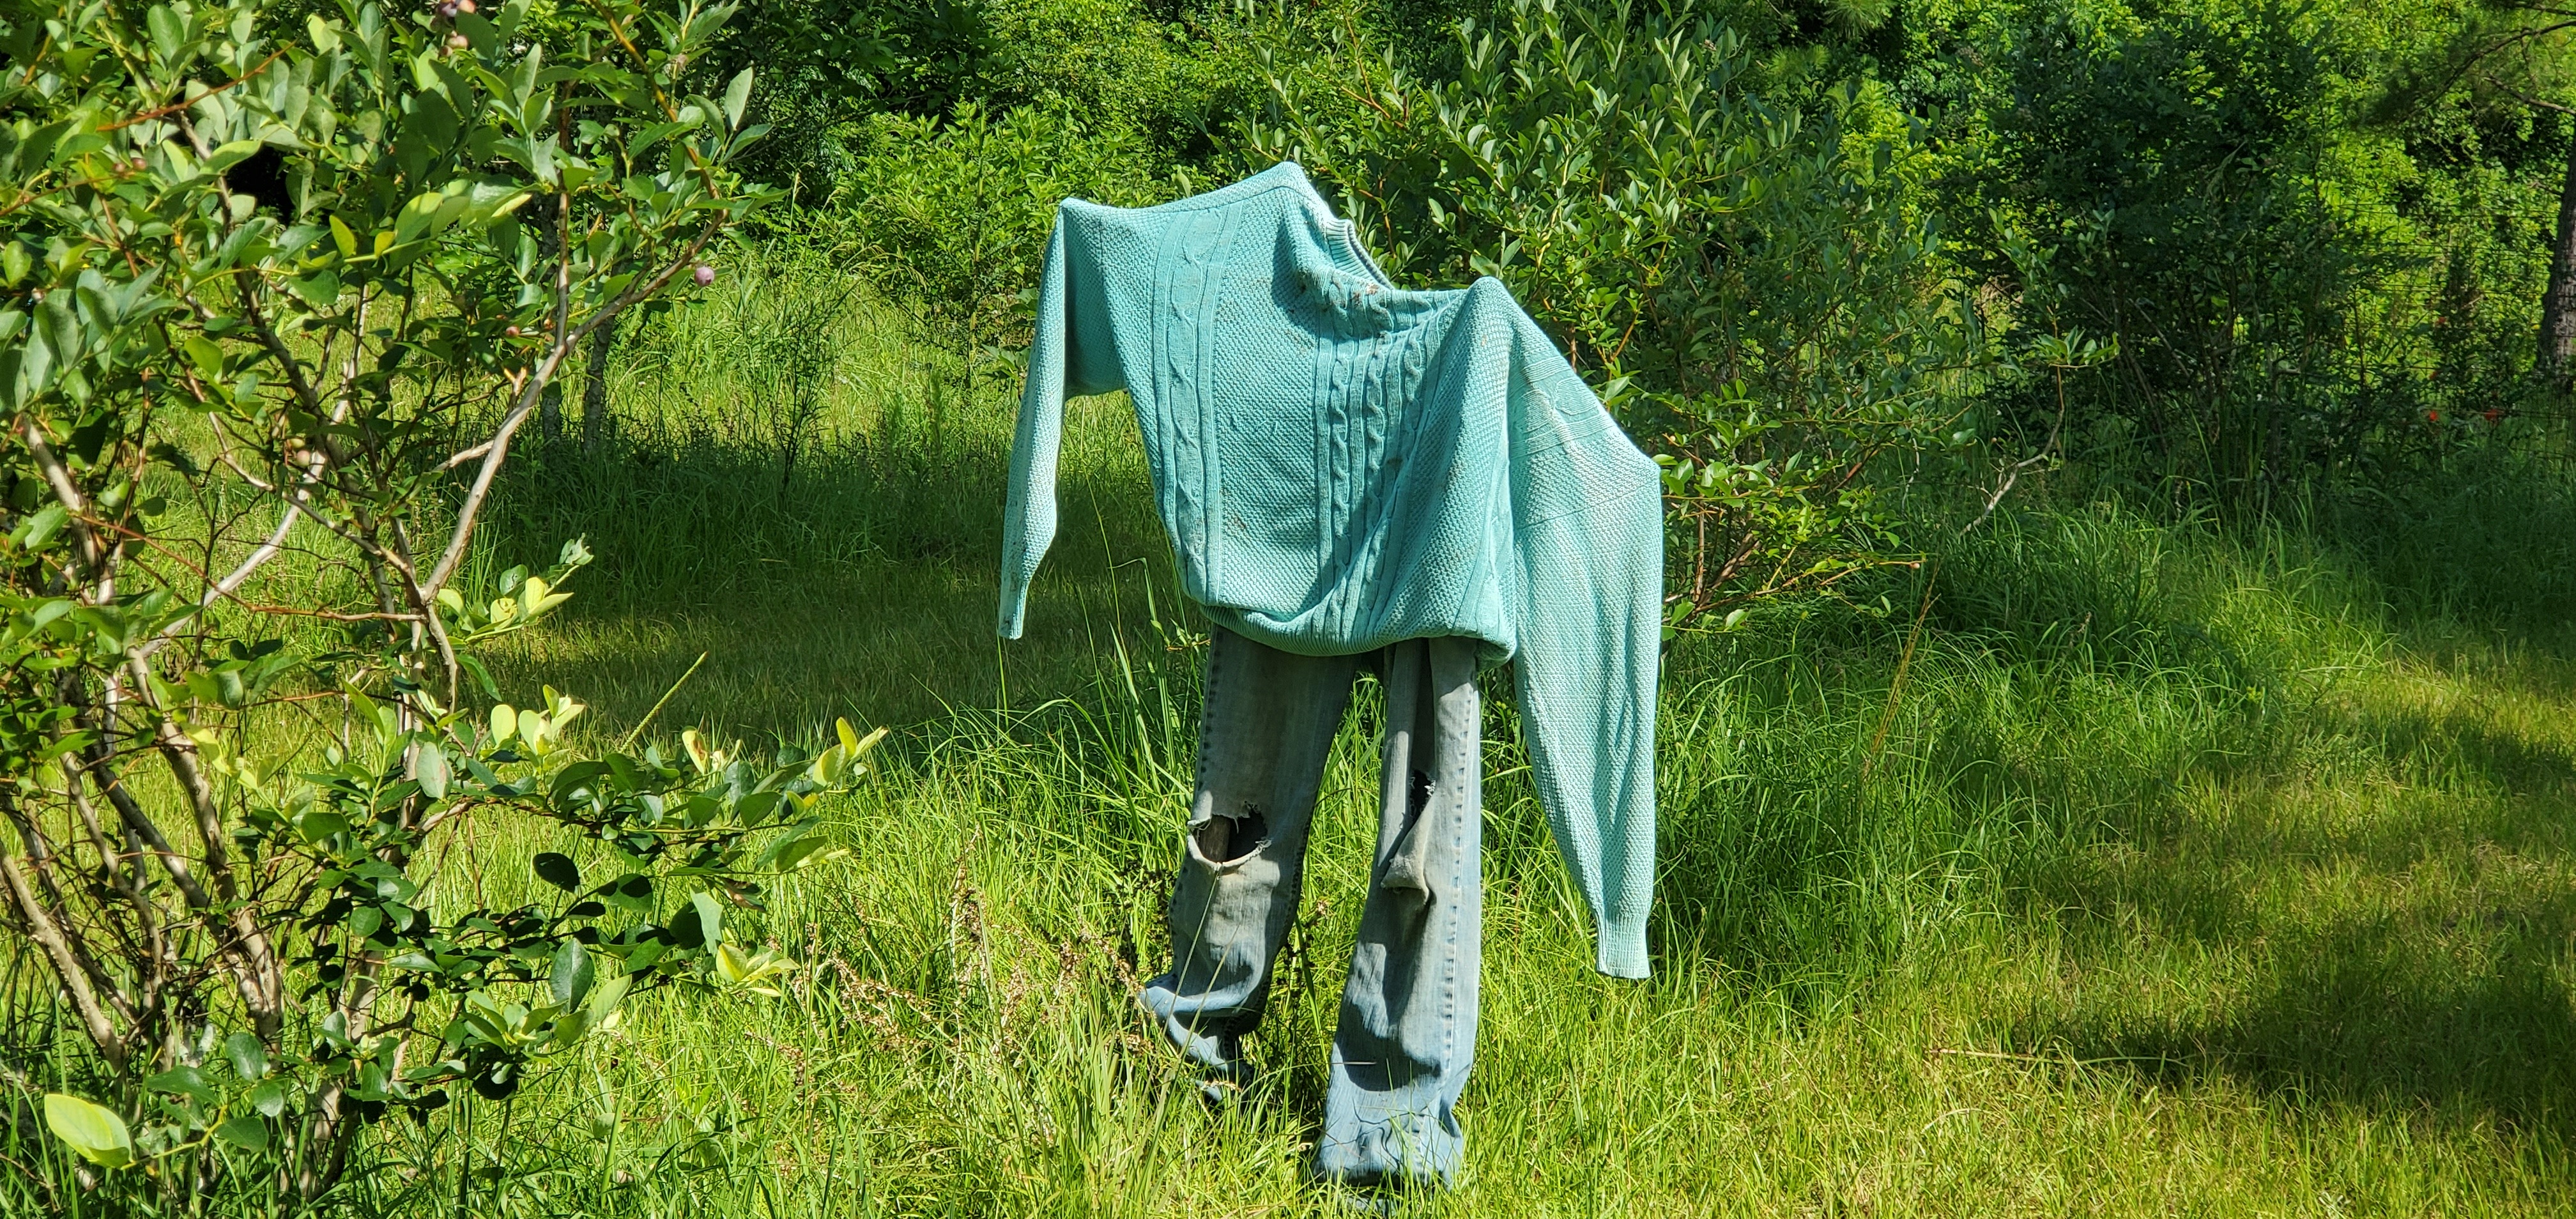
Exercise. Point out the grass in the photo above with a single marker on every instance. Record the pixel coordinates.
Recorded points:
(2113, 868)
(860, 582)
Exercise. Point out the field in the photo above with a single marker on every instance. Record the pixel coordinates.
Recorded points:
(2094, 866)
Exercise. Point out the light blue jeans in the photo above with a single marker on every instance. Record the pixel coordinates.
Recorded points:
(1408, 1023)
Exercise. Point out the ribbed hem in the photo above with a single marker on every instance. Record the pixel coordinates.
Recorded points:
(1015, 608)
(1623, 951)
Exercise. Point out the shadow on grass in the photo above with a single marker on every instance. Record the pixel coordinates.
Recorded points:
(2374, 904)
(2466, 1022)
(2454, 745)
(2484, 548)
(2399, 945)
(2084, 684)
(866, 585)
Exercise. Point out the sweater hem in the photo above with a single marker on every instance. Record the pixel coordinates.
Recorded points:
(1622, 953)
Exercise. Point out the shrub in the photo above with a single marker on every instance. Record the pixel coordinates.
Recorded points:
(1744, 277)
(2295, 293)
(953, 215)
(229, 411)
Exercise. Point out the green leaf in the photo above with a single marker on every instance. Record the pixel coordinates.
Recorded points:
(40, 528)
(417, 217)
(268, 1098)
(737, 95)
(321, 290)
(482, 676)
(231, 154)
(246, 1132)
(429, 769)
(478, 33)
(605, 997)
(803, 851)
(571, 779)
(168, 36)
(646, 955)
(185, 1081)
(558, 870)
(700, 924)
(206, 357)
(571, 975)
(97, 1134)
(710, 916)
(248, 1056)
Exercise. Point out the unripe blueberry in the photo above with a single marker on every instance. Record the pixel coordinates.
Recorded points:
(706, 275)
(464, 6)
(446, 10)
(456, 42)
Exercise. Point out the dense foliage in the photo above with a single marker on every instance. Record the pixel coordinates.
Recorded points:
(1748, 280)
(2206, 251)
(2308, 274)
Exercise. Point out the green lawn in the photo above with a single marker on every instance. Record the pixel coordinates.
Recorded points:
(2181, 870)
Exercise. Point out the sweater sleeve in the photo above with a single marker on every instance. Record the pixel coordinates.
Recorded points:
(1589, 536)
(1028, 508)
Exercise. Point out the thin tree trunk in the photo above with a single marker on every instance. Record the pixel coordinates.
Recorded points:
(594, 391)
(2558, 303)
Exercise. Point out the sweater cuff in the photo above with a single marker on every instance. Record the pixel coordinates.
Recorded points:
(1015, 599)
(1623, 951)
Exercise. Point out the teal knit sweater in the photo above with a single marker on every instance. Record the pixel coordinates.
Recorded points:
(1344, 464)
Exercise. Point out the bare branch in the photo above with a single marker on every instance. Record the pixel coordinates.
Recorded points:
(65, 491)
(262, 988)
(177, 106)
(534, 387)
(128, 880)
(140, 824)
(243, 282)
(329, 615)
(67, 966)
(225, 587)
(2540, 103)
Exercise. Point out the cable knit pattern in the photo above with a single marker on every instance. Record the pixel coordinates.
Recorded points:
(1344, 464)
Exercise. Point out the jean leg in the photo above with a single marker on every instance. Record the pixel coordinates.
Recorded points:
(1408, 1024)
(1264, 734)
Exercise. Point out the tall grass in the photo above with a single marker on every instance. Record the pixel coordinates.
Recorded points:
(833, 557)
(2109, 867)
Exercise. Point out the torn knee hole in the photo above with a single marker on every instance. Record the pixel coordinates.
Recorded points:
(1223, 839)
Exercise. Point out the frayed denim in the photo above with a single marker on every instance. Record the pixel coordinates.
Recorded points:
(1407, 1034)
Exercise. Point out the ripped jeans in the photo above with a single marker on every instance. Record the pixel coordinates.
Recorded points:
(1408, 1021)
